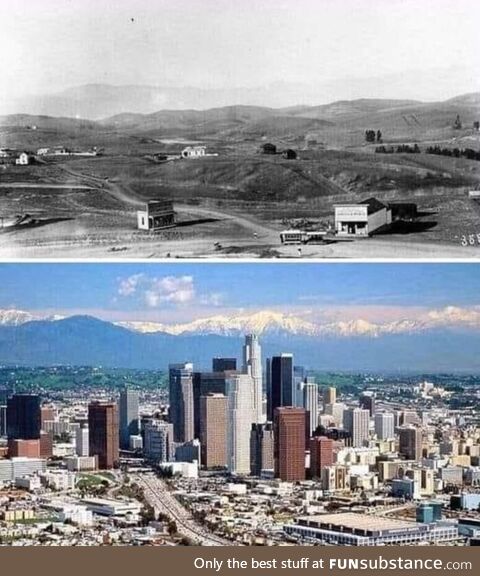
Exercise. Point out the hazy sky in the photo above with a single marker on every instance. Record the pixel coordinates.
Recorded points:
(184, 292)
(49, 45)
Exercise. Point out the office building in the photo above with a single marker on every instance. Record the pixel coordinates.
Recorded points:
(268, 388)
(158, 443)
(289, 447)
(103, 433)
(261, 448)
(321, 455)
(298, 384)
(15, 468)
(81, 440)
(3, 421)
(181, 401)
(336, 411)
(329, 395)
(310, 403)
(282, 385)
(23, 448)
(252, 365)
(410, 443)
(47, 414)
(240, 394)
(353, 529)
(23, 417)
(205, 383)
(129, 416)
(367, 402)
(189, 452)
(213, 430)
(224, 364)
(385, 425)
(356, 422)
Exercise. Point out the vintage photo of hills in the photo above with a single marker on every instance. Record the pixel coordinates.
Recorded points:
(315, 130)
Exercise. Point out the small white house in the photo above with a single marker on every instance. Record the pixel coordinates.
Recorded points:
(194, 152)
(362, 219)
(23, 159)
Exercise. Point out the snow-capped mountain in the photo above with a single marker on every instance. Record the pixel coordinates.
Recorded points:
(14, 317)
(281, 324)
(270, 322)
(233, 325)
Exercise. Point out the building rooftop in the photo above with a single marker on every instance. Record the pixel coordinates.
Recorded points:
(351, 522)
(374, 205)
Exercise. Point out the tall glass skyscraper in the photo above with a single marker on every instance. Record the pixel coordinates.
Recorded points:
(282, 383)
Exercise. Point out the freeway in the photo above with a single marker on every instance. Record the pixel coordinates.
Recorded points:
(158, 496)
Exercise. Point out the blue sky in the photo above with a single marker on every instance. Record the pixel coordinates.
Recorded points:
(201, 289)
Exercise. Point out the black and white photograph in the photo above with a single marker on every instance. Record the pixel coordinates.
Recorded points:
(313, 129)
(240, 286)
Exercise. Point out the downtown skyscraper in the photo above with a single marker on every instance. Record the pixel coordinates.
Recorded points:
(289, 446)
(104, 433)
(129, 416)
(240, 414)
(252, 365)
(23, 417)
(181, 401)
(385, 425)
(356, 421)
(281, 384)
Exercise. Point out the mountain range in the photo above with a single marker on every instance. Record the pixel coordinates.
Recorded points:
(149, 106)
(84, 340)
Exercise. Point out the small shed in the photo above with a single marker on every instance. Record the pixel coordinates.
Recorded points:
(403, 211)
(269, 148)
(157, 214)
(289, 154)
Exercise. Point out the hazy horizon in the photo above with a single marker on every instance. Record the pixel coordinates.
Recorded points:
(317, 52)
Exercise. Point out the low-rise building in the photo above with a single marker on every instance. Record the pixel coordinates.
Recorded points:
(363, 530)
(157, 215)
(194, 152)
(24, 159)
(362, 219)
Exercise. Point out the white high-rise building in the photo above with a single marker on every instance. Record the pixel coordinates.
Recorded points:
(252, 365)
(240, 412)
(81, 441)
(336, 411)
(384, 425)
(357, 421)
(310, 403)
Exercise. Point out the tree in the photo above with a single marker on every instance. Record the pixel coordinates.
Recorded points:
(476, 125)
(379, 136)
(172, 528)
(147, 514)
(458, 123)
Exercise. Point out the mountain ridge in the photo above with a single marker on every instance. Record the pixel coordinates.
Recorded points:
(87, 341)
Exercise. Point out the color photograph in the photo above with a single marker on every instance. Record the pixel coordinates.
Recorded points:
(216, 404)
